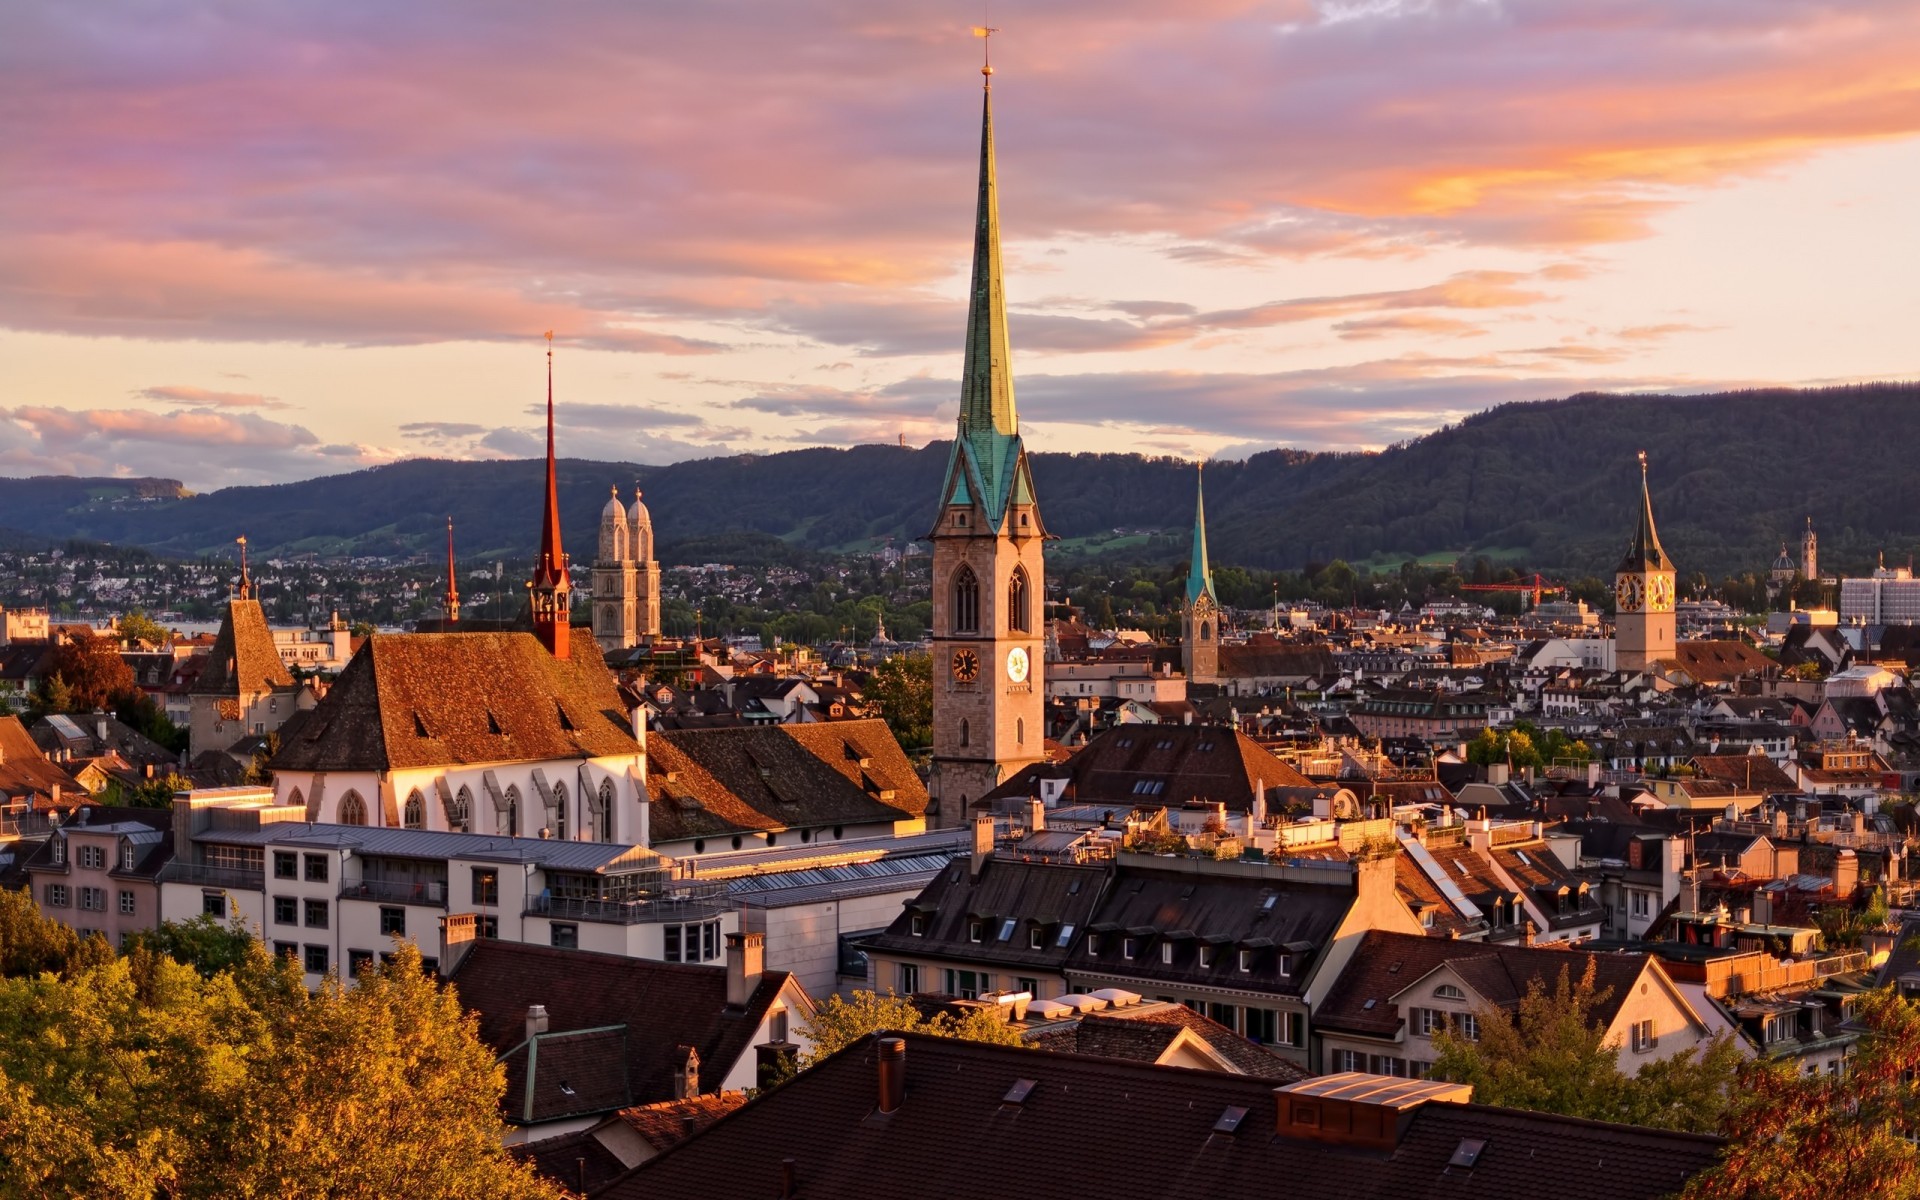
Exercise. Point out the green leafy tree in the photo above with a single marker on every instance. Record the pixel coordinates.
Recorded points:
(32, 945)
(258, 772)
(1810, 1137)
(903, 688)
(1551, 1056)
(137, 627)
(51, 695)
(143, 714)
(206, 945)
(837, 1023)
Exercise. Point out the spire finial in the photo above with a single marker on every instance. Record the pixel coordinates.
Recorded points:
(985, 34)
(551, 587)
(246, 580)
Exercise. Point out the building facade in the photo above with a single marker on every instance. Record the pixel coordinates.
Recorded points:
(989, 581)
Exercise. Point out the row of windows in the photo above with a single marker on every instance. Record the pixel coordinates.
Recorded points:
(317, 959)
(352, 810)
(697, 941)
(89, 899)
(1378, 1064)
(91, 857)
(1425, 1022)
(965, 616)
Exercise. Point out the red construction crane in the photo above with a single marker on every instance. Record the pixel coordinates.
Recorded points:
(1539, 587)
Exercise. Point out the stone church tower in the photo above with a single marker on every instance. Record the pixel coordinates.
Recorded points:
(1643, 594)
(989, 584)
(1809, 553)
(626, 579)
(1200, 625)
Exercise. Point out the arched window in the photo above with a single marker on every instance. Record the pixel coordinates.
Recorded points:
(415, 815)
(353, 810)
(560, 811)
(966, 600)
(963, 731)
(1017, 619)
(460, 820)
(510, 819)
(1020, 730)
(297, 799)
(603, 816)
(1206, 631)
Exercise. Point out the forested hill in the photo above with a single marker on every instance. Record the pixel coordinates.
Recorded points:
(1551, 485)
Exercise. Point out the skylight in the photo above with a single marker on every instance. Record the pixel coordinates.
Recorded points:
(1066, 935)
(1006, 929)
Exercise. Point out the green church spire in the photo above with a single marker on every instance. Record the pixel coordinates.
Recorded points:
(1199, 574)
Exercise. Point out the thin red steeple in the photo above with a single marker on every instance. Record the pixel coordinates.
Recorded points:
(551, 589)
(453, 588)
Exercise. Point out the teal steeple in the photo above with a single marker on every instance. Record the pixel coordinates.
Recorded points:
(987, 449)
(1199, 574)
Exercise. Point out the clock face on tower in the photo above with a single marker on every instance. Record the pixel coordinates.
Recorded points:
(1017, 665)
(1628, 592)
(1660, 593)
(966, 665)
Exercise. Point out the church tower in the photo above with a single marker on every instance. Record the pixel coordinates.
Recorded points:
(1200, 626)
(644, 583)
(613, 580)
(1643, 594)
(551, 592)
(988, 577)
(1809, 554)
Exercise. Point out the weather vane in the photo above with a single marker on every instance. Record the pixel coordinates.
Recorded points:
(985, 34)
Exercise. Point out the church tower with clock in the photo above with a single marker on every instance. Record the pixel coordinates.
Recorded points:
(1643, 593)
(989, 582)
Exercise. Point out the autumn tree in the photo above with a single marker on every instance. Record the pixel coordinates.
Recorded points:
(1552, 1056)
(903, 688)
(837, 1023)
(1809, 1137)
(136, 628)
(92, 672)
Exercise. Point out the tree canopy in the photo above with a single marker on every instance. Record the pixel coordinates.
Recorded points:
(1551, 1056)
(140, 1076)
(903, 688)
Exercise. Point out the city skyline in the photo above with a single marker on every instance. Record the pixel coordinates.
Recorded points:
(265, 248)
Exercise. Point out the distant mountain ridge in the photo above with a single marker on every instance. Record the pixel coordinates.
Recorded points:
(1552, 484)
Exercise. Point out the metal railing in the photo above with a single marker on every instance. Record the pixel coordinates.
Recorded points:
(237, 878)
(425, 892)
(679, 903)
(26, 824)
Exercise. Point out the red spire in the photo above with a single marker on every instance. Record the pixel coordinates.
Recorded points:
(453, 588)
(552, 601)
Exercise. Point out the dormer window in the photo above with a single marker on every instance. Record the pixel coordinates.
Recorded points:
(1246, 960)
(975, 929)
(1128, 947)
(1036, 938)
(1206, 956)
(59, 851)
(1166, 953)
(918, 924)
(126, 856)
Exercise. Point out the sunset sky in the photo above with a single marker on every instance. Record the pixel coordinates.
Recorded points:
(252, 242)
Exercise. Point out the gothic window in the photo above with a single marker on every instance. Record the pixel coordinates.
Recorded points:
(963, 732)
(602, 821)
(296, 799)
(1017, 619)
(460, 820)
(966, 600)
(415, 815)
(1020, 730)
(1206, 631)
(353, 810)
(510, 820)
(560, 811)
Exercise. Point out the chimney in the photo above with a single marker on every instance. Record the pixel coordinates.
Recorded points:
(1036, 815)
(686, 1072)
(893, 1073)
(1762, 907)
(536, 1020)
(1352, 1109)
(746, 960)
(1846, 874)
(788, 1171)
(458, 931)
(1259, 810)
(1593, 774)
(100, 728)
(982, 842)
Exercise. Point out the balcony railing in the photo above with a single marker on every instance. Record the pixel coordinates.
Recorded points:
(430, 893)
(236, 878)
(690, 902)
(19, 823)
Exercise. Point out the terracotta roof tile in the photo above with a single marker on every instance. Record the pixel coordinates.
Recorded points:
(710, 782)
(243, 658)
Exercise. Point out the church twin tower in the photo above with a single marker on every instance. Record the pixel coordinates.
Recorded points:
(626, 579)
(989, 581)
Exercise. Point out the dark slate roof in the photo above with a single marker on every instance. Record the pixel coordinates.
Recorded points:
(244, 658)
(1126, 1131)
(1385, 964)
(1904, 958)
(1142, 1034)
(576, 1160)
(1032, 895)
(1271, 916)
(711, 782)
(440, 699)
(657, 1007)
(1187, 763)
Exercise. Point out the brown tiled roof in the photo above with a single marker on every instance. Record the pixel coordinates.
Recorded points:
(1127, 1131)
(439, 699)
(661, 1007)
(244, 658)
(1205, 763)
(1416, 889)
(1254, 661)
(709, 782)
(1748, 772)
(1384, 964)
(24, 770)
(1720, 662)
(668, 1123)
